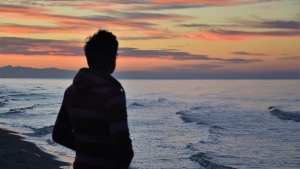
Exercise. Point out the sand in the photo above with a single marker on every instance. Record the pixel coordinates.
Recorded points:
(18, 154)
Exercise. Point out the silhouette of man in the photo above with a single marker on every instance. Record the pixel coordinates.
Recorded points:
(93, 117)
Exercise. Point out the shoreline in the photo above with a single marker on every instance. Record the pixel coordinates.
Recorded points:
(16, 153)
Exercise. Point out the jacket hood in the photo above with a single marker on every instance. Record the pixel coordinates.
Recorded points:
(86, 79)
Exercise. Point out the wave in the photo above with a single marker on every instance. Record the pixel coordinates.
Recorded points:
(21, 110)
(207, 162)
(284, 115)
(23, 94)
(3, 101)
(185, 115)
(2, 104)
(37, 88)
(163, 100)
(135, 105)
(160, 101)
(189, 117)
(41, 131)
(51, 142)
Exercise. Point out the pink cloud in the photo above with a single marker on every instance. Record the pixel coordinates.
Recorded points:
(212, 2)
(107, 6)
(79, 24)
(234, 36)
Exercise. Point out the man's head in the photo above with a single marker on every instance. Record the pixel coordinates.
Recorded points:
(101, 51)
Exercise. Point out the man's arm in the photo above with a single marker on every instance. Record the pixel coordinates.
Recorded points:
(117, 119)
(62, 131)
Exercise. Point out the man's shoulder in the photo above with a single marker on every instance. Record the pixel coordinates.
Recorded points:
(69, 88)
(116, 90)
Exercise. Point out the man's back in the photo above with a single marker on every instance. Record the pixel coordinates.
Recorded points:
(94, 114)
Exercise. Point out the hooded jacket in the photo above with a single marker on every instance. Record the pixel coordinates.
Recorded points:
(93, 121)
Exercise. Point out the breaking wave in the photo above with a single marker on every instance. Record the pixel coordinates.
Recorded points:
(21, 94)
(284, 115)
(50, 142)
(135, 105)
(2, 104)
(3, 101)
(41, 131)
(163, 100)
(186, 117)
(207, 162)
(21, 110)
(159, 101)
(38, 88)
(183, 114)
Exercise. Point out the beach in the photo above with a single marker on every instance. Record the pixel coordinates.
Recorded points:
(18, 154)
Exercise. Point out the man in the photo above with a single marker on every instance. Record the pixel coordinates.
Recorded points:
(93, 115)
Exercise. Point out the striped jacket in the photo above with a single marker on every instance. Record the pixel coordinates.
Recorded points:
(93, 122)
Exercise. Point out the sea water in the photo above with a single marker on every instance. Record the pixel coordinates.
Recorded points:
(213, 124)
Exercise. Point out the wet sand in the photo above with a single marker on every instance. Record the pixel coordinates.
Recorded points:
(18, 154)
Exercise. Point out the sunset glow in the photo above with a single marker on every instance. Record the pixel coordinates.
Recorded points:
(156, 36)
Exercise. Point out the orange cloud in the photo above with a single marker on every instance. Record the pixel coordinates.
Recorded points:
(235, 36)
(212, 2)
(93, 6)
(17, 29)
(23, 13)
(15, 13)
(66, 24)
(24, 29)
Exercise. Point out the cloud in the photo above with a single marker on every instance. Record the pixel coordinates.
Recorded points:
(15, 9)
(176, 55)
(282, 24)
(34, 13)
(166, 2)
(137, 5)
(11, 7)
(73, 25)
(248, 54)
(134, 6)
(238, 35)
(272, 24)
(187, 68)
(253, 33)
(29, 29)
(152, 16)
(195, 25)
(213, 2)
(142, 21)
(164, 54)
(243, 30)
(27, 46)
(167, 6)
(241, 60)
(290, 58)
(142, 38)
(268, 24)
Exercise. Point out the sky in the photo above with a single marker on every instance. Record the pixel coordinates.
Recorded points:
(166, 38)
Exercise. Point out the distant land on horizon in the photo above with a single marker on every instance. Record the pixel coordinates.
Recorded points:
(28, 72)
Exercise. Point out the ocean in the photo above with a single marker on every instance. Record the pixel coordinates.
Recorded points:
(175, 124)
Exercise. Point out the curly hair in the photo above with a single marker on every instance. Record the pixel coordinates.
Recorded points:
(101, 50)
